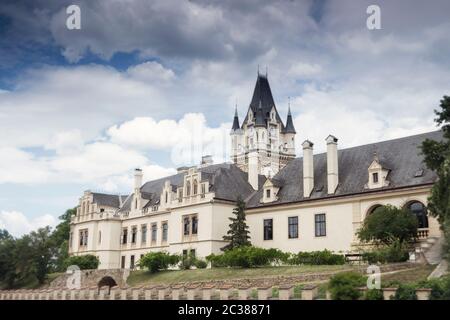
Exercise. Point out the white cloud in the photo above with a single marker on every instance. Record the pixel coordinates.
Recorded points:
(188, 139)
(18, 224)
(152, 72)
(18, 166)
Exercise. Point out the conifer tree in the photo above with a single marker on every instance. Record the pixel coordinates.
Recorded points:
(238, 234)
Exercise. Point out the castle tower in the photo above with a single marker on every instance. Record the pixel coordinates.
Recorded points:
(262, 137)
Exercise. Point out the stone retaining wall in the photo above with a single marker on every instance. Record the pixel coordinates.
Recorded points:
(225, 292)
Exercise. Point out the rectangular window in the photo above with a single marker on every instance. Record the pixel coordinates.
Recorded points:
(320, 225)
(122, 263)
(194, 225)
(154, 232)
(268, 229)
(375, 177)
(267, 193)
(186, 224)
(99, 237)
(293, 227)
(185, 254)
(165, 229)
(83, 237)
(144, 233)
(180, 195)
(133, 234)
(132, 262)
(124, 235)
(192, 253)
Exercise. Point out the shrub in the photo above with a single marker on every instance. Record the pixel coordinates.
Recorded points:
(324, 257)
(440, 288)
(84, 262)
(200, 264)
(248, 257)
(374, 294)
(344, 286)
(405, 292)
(155, 261)
(391, 253)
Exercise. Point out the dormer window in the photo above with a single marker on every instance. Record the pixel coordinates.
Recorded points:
(271, 188)
(377, 174)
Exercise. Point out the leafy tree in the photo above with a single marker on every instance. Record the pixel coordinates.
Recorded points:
(437, 158)
(60, 237)
(388, 225)
(84, 262)
(7, 266)
(43, 252)
(238, 234)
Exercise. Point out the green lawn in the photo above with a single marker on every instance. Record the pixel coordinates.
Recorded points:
(175, 276)
(407, 276)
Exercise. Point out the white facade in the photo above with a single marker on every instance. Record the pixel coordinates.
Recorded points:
(188, 212)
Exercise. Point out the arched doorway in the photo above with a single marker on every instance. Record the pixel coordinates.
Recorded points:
(106, 281)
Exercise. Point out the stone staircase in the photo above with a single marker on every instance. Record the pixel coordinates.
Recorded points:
(430, 249)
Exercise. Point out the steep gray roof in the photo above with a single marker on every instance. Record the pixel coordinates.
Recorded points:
(109, 200)
(289, 123)
(262, 103)
(226, 180)
(402, 156)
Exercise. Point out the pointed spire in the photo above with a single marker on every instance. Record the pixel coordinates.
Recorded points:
(289, 123)
(236, 125)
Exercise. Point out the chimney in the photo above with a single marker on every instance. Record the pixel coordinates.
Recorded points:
(137, 178)
(253, 169)
(206, 161)
(332, 164)
(308, 168)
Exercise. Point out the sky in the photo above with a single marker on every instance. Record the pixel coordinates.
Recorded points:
(141, 80)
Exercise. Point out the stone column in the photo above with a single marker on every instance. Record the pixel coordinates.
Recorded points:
(286, 292)
(148, 292)
(113, 293)
(224, 292)
(192, 292)
(423, 293)
(162, 290)
(92, 293)
(207, 291)
(310, 292)
(244, 292)
(136, 293)
(176, 291)
(388, 293)
(264, 292)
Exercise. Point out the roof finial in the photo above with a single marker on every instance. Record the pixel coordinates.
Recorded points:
(266, 71)
(258, 69)
(289, 105)
(375, 156)
(235, 109)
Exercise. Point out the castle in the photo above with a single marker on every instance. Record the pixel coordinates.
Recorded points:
(314, 202)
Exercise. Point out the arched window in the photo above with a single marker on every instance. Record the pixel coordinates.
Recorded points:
(418, 209)
(372, 209)
(167, 196)
(195, 187)
(188, 188)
